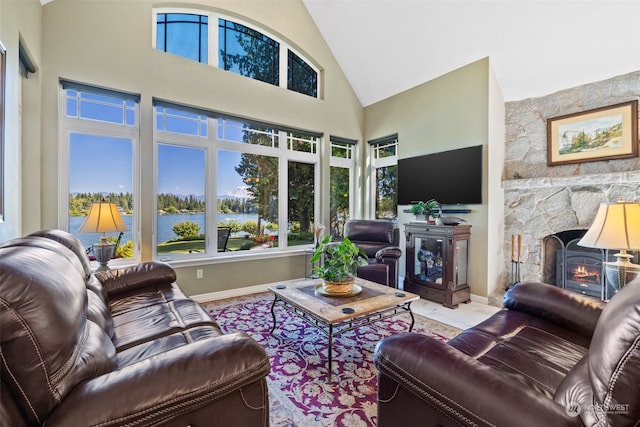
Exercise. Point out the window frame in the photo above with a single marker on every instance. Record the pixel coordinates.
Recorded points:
(376, 147)
(213, 144)
(344, 163)
(69, 125)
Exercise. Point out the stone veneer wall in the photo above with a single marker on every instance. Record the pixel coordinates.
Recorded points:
(541, 200)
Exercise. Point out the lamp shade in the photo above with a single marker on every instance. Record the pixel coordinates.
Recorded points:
(103, 217)
(616, 226)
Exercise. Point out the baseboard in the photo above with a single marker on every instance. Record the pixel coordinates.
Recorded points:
(230, 293)
(238, 292)
(478, 298)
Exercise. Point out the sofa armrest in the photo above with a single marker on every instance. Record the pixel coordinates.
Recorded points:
(166, 386)
(390, 253)
(571, 310)
(136, 276)
(465, 390)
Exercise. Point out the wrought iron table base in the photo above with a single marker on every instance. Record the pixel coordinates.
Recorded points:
(334, 329)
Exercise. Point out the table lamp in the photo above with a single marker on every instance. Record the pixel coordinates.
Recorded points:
(103, 218)
(616, 226)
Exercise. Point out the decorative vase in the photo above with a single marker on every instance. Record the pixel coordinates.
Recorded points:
(339, 288)
(421, 217)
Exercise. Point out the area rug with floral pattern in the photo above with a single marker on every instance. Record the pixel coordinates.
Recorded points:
(299, 393)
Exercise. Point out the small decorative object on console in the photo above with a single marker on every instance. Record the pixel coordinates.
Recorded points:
(426, 210)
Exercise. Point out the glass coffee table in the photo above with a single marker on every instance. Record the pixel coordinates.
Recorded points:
(334, 315)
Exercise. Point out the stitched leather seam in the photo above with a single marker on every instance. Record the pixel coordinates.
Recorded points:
(438, 402)
(393, 396)
(71, 361)
(31, 336)
(246, 403)
(22, 393)
(176, 315)
(619, 369)
(154, 411)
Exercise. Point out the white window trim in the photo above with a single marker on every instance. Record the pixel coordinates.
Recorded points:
(375, 164)
(212, 144)
(68, 125)
(346, 163)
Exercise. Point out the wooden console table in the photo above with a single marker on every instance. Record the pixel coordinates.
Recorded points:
(437, 261)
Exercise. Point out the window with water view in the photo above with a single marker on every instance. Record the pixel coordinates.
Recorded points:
(101, 129)
(261, 178)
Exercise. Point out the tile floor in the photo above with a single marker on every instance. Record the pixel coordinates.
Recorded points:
(463, 317)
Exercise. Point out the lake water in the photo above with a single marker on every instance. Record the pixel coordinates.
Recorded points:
(165, 224)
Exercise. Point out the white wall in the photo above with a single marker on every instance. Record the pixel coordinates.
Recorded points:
(20, 23)
(449, 112)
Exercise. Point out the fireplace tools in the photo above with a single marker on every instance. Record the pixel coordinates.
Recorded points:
(515, 273)
(515, 262)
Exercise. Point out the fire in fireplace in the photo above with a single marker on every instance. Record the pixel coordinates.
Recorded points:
(577, 268)
(574, 267)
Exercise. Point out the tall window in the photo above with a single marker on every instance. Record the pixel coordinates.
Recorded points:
(340, 183)
(241, 49)
(100, 138)
(384, 176)
(261, 177)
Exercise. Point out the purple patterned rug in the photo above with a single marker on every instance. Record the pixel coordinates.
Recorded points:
(299, 394)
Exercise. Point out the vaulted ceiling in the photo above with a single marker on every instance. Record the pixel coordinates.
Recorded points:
(535, 47)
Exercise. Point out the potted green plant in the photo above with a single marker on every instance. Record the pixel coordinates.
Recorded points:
(338, 268)
(424, 210)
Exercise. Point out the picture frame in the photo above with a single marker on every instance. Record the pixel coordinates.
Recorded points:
(600, 134)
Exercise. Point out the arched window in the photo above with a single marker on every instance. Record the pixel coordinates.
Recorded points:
(241, 49)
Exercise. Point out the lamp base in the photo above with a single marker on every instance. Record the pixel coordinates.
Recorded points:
(622, 271)
(103, 253)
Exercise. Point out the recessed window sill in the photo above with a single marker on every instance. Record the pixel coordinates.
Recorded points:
(239, 256)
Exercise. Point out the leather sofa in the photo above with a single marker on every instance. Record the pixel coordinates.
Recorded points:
(379, 239)
(121, 347)
(550, 357)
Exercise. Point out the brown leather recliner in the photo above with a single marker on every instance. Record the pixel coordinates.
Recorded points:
(122, 347)
(551, 357)
(379, 239)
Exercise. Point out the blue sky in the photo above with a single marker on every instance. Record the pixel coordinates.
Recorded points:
(181, 169)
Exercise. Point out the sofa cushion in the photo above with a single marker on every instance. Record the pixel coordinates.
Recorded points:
(532, 351)
(70, 242)
(131, 278)
(48, 344)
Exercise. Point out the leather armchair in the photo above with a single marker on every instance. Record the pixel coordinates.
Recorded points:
(379, 239)
(551, 357)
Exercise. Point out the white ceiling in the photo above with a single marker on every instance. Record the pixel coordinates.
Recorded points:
(535, 47)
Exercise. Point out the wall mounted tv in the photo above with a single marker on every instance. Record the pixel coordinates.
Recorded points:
(450, 177)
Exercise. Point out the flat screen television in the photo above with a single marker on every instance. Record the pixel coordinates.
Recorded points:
(451, 177)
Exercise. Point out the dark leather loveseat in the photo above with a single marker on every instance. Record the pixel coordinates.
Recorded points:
(550, 358)
(379, 239)
(122, 347)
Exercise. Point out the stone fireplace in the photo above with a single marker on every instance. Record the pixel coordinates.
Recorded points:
(551, 214)
(541, 200)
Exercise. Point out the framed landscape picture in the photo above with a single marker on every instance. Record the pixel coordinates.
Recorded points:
(600, 134)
